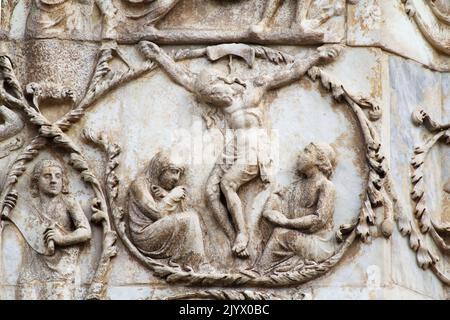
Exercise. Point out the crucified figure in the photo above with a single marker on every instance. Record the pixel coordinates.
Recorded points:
(301, 16)
(241, 102)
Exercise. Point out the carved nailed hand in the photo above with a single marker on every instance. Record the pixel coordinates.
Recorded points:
(329, 52)
(149, 49)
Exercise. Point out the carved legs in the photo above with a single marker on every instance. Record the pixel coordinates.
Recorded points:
(229, 183)
(270, 10)
(213, 198)
(273, 6)
(234, 178)
(305, 22)
(302, 19)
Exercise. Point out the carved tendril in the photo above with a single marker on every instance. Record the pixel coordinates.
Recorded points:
(103, 81)
(377, 195)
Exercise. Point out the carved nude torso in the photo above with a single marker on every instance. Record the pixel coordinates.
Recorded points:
(245, 112)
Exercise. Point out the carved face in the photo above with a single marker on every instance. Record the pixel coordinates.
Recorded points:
(169, 178)
(307, 159)
(214, 89)
(51, 181)
(220, 94)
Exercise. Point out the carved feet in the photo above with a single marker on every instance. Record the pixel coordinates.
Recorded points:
(240, 246)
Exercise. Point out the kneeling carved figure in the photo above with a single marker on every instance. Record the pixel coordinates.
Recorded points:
(160, 225)
(302, 214)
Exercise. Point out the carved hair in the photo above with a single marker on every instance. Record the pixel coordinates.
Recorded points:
(37, 171)
(203, 90)
(326, 156)
(161, 162)
(203, 81)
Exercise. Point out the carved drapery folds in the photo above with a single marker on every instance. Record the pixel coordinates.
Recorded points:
(307, 265)
(428, 225)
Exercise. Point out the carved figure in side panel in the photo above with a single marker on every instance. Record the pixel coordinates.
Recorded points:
(54, 274)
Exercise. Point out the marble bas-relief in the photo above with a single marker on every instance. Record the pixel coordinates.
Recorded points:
(145, 221)
(161, 226)
(52, 275)
(128, 21)
(240, 100)
(435, 30)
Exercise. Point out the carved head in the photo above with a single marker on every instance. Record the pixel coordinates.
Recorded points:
(48, 178)
(164, 170)
(214, 89)
(321, 156)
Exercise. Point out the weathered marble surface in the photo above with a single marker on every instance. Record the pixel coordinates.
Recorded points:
(384, 62)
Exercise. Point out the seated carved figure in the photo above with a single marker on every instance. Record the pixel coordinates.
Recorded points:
(302, 214)
(160, 225)
(53, 276)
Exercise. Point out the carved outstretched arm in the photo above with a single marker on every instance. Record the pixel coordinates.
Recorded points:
(176, 72)
(299, 67)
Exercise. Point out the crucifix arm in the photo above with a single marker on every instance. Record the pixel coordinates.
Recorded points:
(176, 72)
(300, 66)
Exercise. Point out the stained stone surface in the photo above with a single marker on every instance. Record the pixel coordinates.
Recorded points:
(332, 115)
